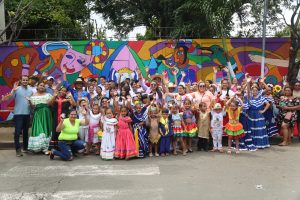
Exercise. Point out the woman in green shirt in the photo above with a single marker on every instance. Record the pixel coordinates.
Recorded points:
(68, 138)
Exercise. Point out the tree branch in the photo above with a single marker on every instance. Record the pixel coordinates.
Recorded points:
(17, 16)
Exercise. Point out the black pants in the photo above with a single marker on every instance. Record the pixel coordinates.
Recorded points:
(22, 124)
(202, 144)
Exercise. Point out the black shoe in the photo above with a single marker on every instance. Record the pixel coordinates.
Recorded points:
(19, 153)
(51, 155)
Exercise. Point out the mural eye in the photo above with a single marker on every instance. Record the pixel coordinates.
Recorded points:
(180, 53)
(79, 61)
(69, 56)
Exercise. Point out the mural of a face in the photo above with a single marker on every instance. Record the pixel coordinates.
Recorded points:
(180, 57)
(75, 61)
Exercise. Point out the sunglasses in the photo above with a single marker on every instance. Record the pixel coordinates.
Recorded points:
(201, 85)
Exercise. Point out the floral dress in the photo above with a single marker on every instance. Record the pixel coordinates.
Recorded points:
(288, 116)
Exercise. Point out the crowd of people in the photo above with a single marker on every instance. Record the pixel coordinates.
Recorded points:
(150, 116)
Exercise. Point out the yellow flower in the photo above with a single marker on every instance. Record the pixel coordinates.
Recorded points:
(276, 88)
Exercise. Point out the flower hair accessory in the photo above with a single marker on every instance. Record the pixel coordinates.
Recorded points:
(277, 89)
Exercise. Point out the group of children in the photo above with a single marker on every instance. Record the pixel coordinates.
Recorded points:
(143, 127)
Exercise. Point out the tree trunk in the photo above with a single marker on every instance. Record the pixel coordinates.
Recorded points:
(294, 62)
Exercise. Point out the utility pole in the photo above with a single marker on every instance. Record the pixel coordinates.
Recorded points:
(262, 67)
(2, 20)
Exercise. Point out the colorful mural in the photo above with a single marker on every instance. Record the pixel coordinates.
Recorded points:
(112, 58)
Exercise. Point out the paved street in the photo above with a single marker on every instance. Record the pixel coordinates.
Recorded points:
(271, 174)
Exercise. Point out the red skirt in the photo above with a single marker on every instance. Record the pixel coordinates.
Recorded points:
(125, 144)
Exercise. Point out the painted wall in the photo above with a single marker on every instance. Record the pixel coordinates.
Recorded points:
(110, 58)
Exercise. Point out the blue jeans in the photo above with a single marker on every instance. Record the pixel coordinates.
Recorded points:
(21, 124)
(67, 147)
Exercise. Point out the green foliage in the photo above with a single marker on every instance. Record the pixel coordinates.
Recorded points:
(50, 14)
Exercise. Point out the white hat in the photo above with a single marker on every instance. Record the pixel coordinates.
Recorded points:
(50, 77)
(182, 84)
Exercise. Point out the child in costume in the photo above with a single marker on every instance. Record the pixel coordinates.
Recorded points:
(109, 139)
(154, 135)
(177, 129)
(216, 127)
(165, 131)
(203, 127)
(234, 128)
(125, 145)
(189, 123)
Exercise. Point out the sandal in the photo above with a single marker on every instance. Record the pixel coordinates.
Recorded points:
(221, 150)
(150, 155)
(156, 154)
(229, 151)
(283, 144)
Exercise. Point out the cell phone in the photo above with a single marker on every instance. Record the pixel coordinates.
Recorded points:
(63, 116)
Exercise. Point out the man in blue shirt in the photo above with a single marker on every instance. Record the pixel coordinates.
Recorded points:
(21, 113)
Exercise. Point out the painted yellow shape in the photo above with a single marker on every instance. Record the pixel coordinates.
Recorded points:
(14, 62)
(97, 59)
(98, 65)
(93, 44)
(27, 58)
(104, 53)
(144, 52)
(101, 44)
(88, 52)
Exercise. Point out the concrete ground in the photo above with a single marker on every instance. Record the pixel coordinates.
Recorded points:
(270, 174)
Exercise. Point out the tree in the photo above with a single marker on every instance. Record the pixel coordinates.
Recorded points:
(48, 14)
(294, 54)
(123, 16)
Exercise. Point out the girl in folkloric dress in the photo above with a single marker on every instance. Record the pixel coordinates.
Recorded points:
(257, 106)
(42, 124)
(269, 114)
(109, 135)
(94, 125)
(125, 145)
(141, 134)
(234, 128)
(189, 123)
(178, 131)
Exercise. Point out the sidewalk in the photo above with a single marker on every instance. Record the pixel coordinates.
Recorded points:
(7, 138)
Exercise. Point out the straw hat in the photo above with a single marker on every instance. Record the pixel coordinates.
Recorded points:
(79, 80)
(157, 76)
(171, 85)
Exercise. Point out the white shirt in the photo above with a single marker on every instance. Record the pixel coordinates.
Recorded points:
(216, 122)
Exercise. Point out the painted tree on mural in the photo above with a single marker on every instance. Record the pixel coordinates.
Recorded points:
(50, 14)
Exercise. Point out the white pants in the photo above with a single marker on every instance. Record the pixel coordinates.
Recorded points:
(217, 138)
(83, 133)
